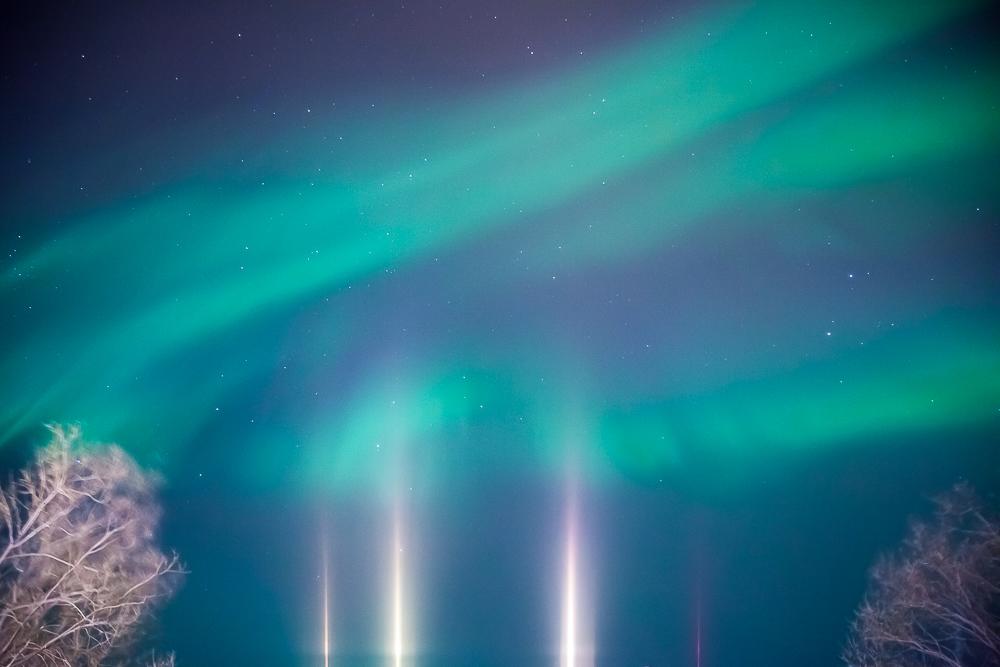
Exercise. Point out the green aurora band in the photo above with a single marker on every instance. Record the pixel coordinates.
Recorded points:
(150, 314)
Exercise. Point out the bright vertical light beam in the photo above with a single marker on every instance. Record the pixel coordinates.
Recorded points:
(570, 615)
(397, 597)
(326, 606)
(326, 622)
(569, 605)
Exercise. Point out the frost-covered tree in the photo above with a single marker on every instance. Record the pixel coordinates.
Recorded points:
(935, 603)
(80, 569)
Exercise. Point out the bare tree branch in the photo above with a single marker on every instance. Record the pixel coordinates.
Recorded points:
(80, 569)
(936, 603)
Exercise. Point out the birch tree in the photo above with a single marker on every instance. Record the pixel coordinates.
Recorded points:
(80, 569)
(936, 603)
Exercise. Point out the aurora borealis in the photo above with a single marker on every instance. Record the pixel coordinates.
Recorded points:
(727, 270)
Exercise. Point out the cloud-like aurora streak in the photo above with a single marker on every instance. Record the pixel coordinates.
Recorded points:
(155, 311)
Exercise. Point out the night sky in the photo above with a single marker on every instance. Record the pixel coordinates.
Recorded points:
(705, 294)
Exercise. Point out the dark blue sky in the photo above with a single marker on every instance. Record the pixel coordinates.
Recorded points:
(724, 274)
